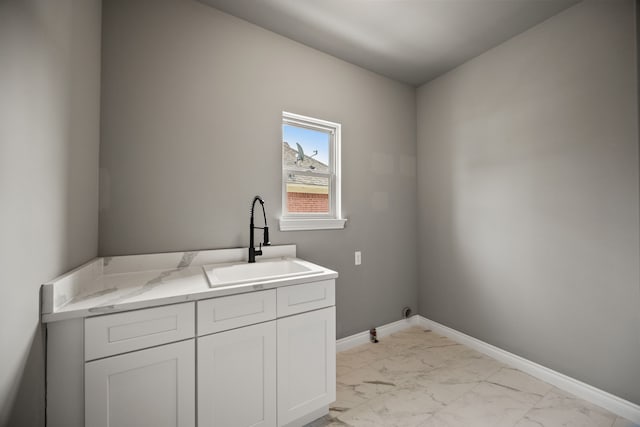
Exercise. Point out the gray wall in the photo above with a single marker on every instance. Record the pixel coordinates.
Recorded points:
(528, 197)
(191, 112)
(49, 132)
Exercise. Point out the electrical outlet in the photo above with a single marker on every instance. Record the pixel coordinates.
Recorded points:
(358, 258)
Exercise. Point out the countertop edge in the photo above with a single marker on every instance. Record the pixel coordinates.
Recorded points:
(185, 297)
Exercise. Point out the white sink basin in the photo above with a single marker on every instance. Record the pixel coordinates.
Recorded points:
(267, 270)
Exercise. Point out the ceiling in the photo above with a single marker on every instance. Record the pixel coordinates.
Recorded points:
(412, 41)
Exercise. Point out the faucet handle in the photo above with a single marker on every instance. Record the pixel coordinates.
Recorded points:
(266, 236)
(259, 251)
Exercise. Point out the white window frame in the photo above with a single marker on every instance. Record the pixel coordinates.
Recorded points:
(315, 221)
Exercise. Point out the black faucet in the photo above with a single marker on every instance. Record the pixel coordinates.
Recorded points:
(252, 250)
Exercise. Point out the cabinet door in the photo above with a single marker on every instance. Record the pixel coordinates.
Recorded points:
(237, 377)
(306, 363)
(153, 387)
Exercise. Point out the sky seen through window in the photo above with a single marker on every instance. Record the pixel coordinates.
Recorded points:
(309, 139)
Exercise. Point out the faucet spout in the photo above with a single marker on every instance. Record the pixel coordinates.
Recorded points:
(265, 230)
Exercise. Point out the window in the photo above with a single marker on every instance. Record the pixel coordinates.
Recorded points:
(310, 174)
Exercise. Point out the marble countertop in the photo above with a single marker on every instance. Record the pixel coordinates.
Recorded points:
(113, 284)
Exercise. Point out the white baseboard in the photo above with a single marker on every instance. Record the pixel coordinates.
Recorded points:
(608, 401)
(363, 337)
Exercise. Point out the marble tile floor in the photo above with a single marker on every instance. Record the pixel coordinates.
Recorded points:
(418, 378)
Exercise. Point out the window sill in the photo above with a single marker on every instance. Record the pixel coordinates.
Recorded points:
(301, 224)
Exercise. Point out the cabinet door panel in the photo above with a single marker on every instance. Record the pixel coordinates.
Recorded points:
(153, 387)
(237, 377)
(306, 363)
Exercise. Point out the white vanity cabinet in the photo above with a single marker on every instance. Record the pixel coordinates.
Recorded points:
(279, 372)
(306, 365)
(237, 360)
(130, 384)
(306, 351)
(264, 359)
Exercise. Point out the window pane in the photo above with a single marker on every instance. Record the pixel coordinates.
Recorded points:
(305, 149)
(307, 194)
